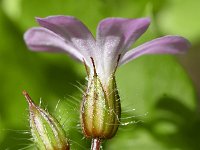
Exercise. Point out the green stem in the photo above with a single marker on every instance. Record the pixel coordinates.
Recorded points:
(96, 144)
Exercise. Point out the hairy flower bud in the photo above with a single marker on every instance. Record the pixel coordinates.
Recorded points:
(46, 130)
(101, 109)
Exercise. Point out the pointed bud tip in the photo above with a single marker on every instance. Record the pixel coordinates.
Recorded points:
(28, 98)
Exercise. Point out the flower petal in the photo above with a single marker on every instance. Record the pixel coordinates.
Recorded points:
(73, 31)
(114, 37)
(128, 30)
(163, 45)
(41, 39)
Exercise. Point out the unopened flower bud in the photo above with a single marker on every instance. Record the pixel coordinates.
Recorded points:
(101, 109)
(46, 130)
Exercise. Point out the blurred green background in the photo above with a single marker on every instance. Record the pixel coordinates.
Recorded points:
(159, 93)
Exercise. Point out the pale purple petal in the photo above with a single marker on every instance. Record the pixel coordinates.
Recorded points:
(163, 45)
(73, 31)
(128, 30)
(114, 37)
(41, 39)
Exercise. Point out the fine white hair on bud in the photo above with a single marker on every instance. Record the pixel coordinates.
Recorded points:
(45, 129)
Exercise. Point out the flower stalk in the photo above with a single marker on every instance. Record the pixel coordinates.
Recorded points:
(96, 144)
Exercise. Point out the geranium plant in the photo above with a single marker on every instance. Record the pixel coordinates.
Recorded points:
(100, 108)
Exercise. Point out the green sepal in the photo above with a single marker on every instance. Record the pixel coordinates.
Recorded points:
(101, 109)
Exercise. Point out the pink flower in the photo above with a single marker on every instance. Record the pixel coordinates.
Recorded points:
(109, 49)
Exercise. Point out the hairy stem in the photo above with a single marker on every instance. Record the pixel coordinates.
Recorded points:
(96, 144)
